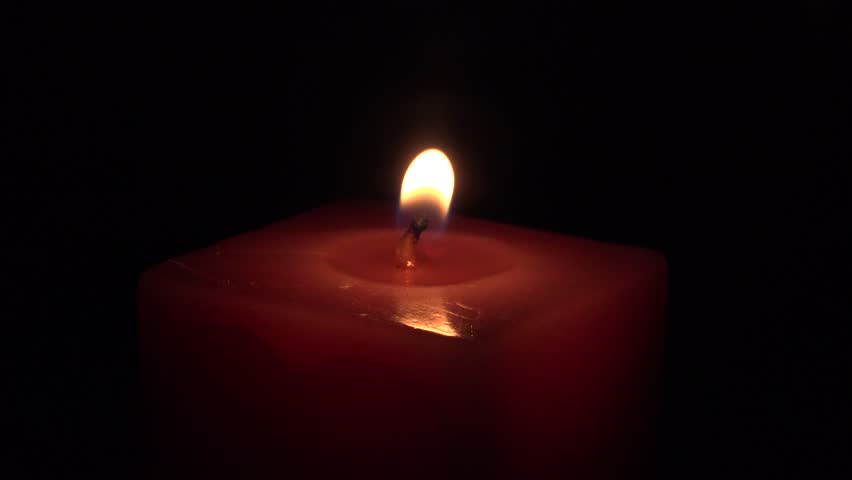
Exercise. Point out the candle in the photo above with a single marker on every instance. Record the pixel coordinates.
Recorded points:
(304, 347)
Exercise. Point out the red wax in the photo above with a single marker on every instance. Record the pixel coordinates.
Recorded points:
(300, 348)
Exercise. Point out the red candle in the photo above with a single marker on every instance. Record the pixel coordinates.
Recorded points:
(301, 347)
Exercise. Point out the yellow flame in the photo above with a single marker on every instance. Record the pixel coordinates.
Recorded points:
(429, 178)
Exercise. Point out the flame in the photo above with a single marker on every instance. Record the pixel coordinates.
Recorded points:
(428, 183)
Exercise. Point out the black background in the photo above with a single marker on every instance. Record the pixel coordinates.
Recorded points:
(714, 133)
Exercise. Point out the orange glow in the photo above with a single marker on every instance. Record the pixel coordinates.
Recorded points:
(429, 181)
(429, 316)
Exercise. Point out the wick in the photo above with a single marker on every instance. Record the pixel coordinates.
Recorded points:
(418, 225)
(405, 253)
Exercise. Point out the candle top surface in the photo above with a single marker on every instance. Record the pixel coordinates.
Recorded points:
(475, 281)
